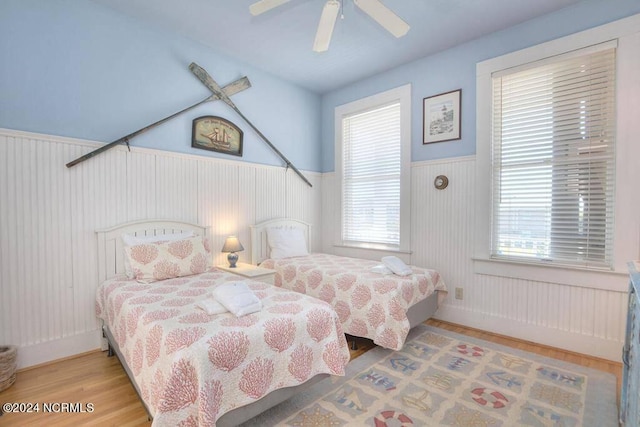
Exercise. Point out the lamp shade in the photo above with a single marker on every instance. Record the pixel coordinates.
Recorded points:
(232, 244)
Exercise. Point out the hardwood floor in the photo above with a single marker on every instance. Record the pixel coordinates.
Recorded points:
(93, 378)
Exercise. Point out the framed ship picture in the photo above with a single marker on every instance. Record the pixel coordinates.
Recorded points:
(216, 134)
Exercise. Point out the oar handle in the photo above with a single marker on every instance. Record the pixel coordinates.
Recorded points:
(136, 133)
(273, 147)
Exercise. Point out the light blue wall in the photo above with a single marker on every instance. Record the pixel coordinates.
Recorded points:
(74, 68)
(456, 69)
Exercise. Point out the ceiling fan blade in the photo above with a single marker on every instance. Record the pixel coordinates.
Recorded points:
(384, 16)
(325, 26)
(265, 5)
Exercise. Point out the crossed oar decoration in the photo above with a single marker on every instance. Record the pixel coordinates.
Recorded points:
(221, 93)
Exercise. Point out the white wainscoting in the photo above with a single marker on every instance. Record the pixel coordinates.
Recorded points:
(581, 319)
(49, 214)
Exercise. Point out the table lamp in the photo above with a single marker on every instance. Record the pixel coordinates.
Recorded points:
(232, 245)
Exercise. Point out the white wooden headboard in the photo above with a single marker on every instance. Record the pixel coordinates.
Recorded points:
(110, 254)
(259, 244)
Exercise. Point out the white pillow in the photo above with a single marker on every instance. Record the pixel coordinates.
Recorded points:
(286, 242)
(131, 240)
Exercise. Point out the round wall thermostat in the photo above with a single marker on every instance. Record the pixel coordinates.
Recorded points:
(441, 182)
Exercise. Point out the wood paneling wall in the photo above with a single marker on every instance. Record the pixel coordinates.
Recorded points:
(581, 319)
(49, 214)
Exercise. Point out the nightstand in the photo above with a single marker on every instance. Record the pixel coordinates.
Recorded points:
(250, 271)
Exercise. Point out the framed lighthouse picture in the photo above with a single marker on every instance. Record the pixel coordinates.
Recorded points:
(442, 117)
(216, 134)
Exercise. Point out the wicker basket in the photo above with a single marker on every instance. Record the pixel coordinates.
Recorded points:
(7, 366)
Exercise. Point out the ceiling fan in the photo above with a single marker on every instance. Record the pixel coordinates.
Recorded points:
(374, 8)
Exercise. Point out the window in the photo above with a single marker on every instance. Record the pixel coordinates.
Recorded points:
(591, 222)
(373, 162)
(553, 156)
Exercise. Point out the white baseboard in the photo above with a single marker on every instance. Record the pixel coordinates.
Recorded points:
(583, 344)
(52, 350)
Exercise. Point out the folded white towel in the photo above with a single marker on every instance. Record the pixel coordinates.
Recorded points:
(211, 306)
(237, 298)
(381, 269)
(396, 265)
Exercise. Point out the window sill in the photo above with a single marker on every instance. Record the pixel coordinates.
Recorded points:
(573, 276)
(371, 248)
(366, 247)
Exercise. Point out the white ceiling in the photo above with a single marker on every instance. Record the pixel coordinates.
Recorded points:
(280, 40)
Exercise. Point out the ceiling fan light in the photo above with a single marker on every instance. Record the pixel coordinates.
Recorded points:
(384, 16)
(325, 26)
(265, 5)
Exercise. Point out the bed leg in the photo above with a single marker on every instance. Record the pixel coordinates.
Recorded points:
(109, 351)
(354, 344)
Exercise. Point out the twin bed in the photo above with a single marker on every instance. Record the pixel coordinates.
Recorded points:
(381, 307)
(191, 368)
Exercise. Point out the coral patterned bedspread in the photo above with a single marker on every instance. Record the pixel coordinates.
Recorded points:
(192, 368)
(369, 305)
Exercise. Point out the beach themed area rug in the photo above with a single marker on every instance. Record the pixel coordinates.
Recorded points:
(441, 378)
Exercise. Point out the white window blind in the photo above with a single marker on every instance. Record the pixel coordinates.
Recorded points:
(371, 176)
(553, 160)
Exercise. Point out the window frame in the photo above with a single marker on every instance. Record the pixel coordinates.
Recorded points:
(627, 176)
(403, 95)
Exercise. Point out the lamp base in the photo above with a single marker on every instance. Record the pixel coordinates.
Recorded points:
(232, 258)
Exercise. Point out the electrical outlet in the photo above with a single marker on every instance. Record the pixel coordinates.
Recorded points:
(459, 293)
